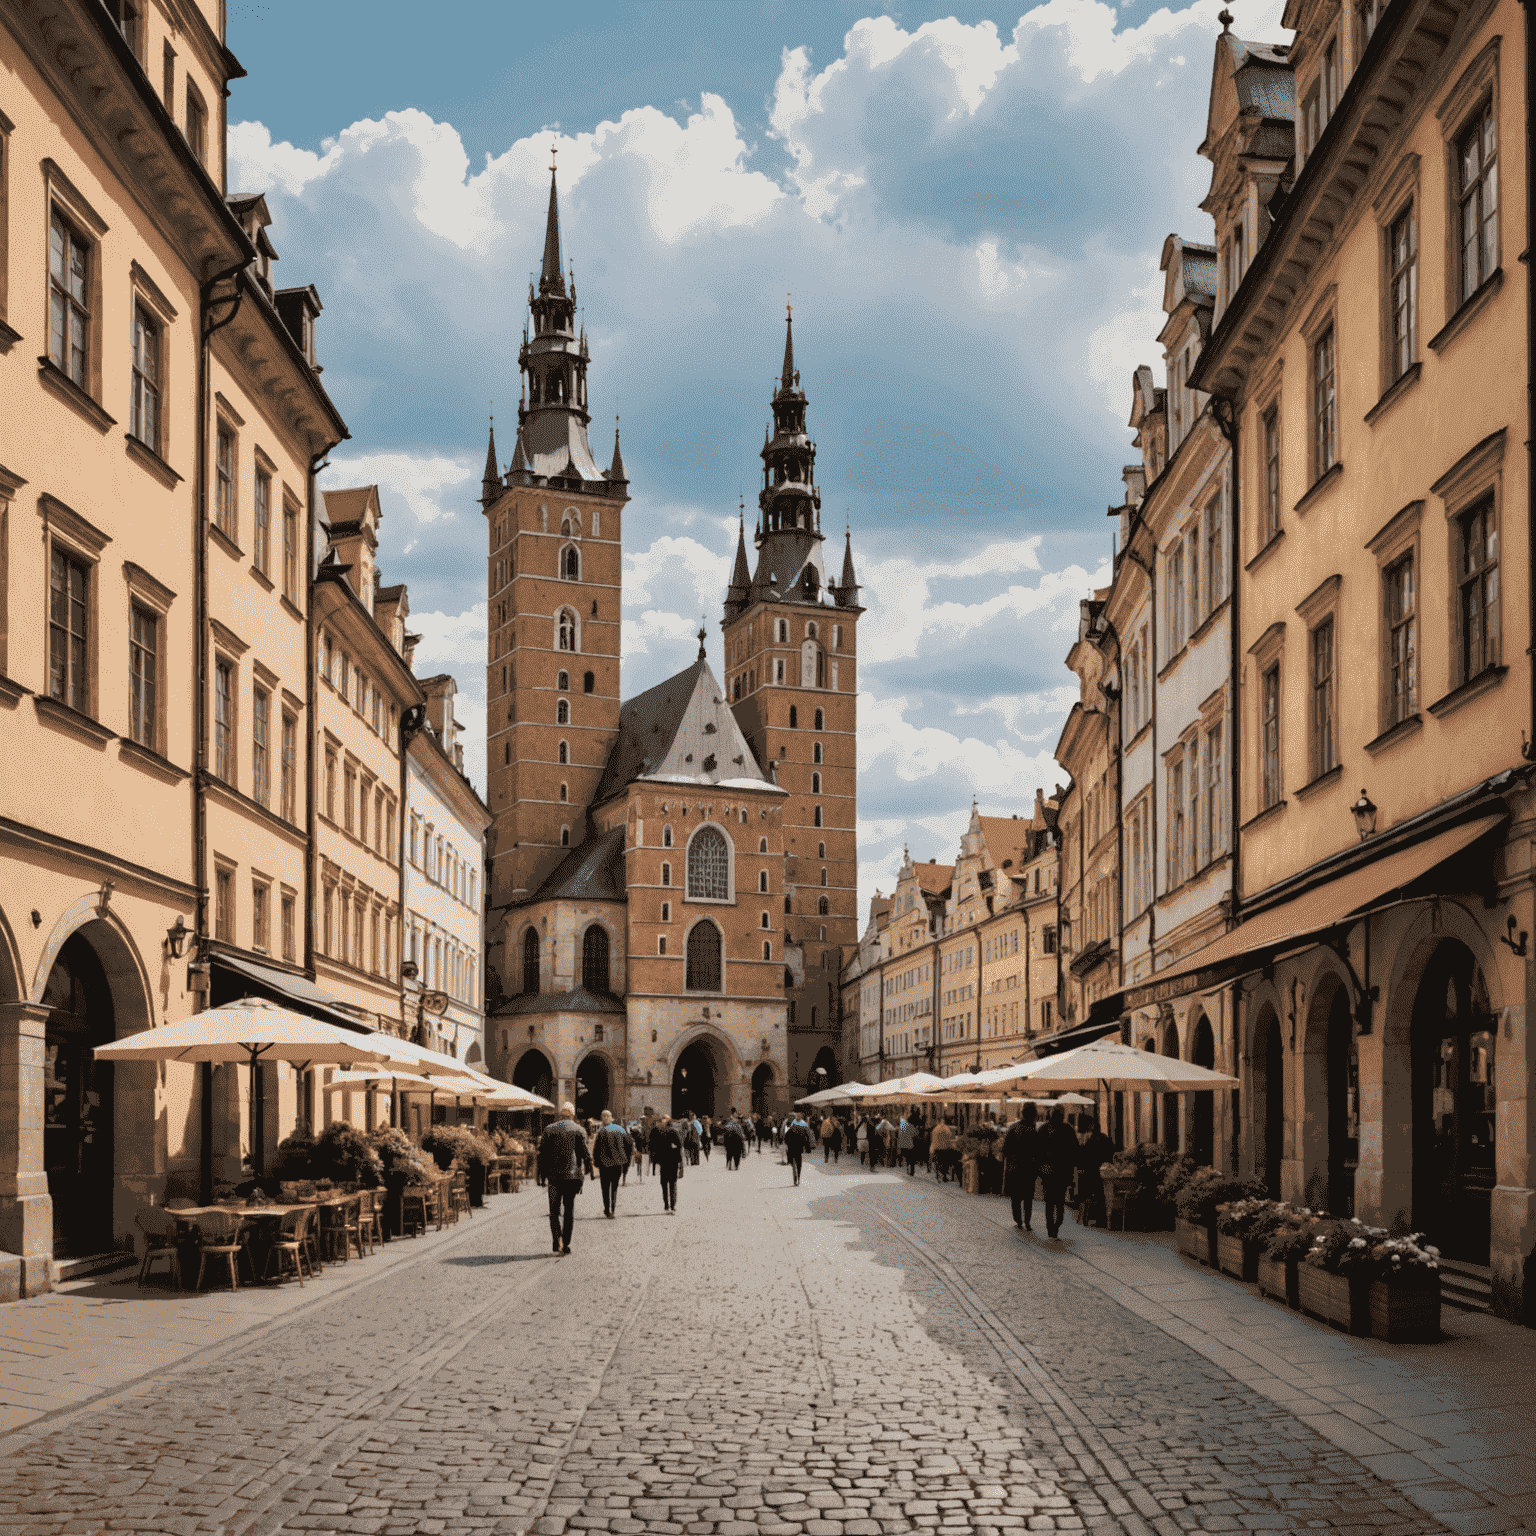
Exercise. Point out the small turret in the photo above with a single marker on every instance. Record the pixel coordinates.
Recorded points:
(847, 590)
(490, 481)
(616, 473)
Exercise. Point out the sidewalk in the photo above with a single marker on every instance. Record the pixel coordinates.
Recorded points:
(1452, 1425)
(90, 1337)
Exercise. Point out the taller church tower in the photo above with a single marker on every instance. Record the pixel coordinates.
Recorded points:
(791, 671)
(554, 571)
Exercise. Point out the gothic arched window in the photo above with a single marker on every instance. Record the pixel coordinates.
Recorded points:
(563, 684)
(815, 783)
(762, 845)
(562, 713)
(789, 978)
(794, 717)
(565, 751)
(570, 564)
(703, 971)
(823, 877)
(594, 959)
(818, 815)
(762, 879)
(531, 960)
(566, 635)
(709, 866)
(787, 908)
(588, 683)
(816, 753)
(666, 837)
(822, 908)
(819, 725)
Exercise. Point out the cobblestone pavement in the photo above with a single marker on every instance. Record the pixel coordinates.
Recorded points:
(858, 1355)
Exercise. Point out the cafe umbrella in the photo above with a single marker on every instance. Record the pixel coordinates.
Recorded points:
(249, 1032)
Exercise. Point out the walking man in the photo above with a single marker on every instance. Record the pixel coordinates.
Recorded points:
(611, 1151)
(1057, 1149)
(797, 1142)
(562, 1157)
(735, 1144)
(1021, 1167)
(906, 1147)
(667, 1161)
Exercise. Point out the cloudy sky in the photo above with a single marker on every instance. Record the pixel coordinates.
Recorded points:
(968, 208)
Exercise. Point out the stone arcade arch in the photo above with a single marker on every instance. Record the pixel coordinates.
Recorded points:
(1170, 1104)
(1327, 1128)
(534, 1073)
(762, 1088)
(1266, 1075)
(594, 1086)
(1202, 1109)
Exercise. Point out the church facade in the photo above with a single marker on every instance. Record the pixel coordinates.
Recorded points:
(670, 879)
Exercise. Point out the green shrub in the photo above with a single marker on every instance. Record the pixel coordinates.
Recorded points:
(399, 1157)
(295, 1157)
(344, 1155)
(1205, 1189)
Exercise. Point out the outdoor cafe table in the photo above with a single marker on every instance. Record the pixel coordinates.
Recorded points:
(261, 1217)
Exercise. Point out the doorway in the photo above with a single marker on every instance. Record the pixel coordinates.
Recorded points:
(534, 1074)
(762, 1089)
(1269, 1094)
(1343, 1106)
(1171, 1100)
(693, 1081)
(77, 1101)
(592, 1087)
(1454, 1038)
(1202, 1114)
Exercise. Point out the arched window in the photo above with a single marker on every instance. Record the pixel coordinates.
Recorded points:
(822, 908)
(810, 629)
(767, 950)
(823, 877)
(565, 796)
(566, 636)
(794, 717)
(570, 563)
(764, 923)
(531, 960)
(666, 837)
(565, 751)
(787, 907)
(563, 712)
(588, 683)
(666, 874)
(819, 720)
(789, 978)
(565, 837)
(709, 866)
(563, 683)
(661, 945)
(783, 630)
(594, 959)
(818, 815)
(762, 845)
(762, 879)
(816, 753)
(666, 911)
(703, 970)
(821, 850)
(815, 783)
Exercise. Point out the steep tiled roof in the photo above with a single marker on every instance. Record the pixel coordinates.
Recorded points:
(592, 872)
(933, 879)
(348, 505)
(578, 1000)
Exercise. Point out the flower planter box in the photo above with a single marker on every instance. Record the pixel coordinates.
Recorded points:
(1405, 1313)
(1195, 1241)
(1277, 1278)
(1333, 1299)
(1237, 1257)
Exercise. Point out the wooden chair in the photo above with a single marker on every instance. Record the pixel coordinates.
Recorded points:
(459, 1195)
(1117, 1201)
(159, 1243)
(291, 1243)
(338, 1230)
(218, 1236)
(370, 1217)
(415, 1208)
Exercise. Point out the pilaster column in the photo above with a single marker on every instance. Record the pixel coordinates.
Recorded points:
(26, 1209)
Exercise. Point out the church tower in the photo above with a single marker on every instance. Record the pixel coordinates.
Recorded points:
(791, 672)
(554, 569)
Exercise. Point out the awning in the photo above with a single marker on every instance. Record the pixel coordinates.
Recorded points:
(286, 987)
(1302, 921)
(1103, 1019)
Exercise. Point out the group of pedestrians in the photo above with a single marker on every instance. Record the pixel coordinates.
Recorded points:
(1051, 1153)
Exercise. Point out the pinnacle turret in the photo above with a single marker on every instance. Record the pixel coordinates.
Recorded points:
(848, 587)
(788, 380)
(550, 276)
(616, 472)
(490, 481)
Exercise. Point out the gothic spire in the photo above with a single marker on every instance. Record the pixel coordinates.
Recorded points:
(787, 382)
(850, 582)
(490, 481)
(550, 277)
(616, 472)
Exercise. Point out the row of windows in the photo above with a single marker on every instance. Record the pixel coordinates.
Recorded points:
(263, 938)
(226, 510)
(702, 951)
(274, 733)
(570, 528)
(354, 685)
(358, 792)
(1195, 573)
(443, 965)
(815, 672)
(1475, 647)
(440, 861)
(357, 930)
(741, 647)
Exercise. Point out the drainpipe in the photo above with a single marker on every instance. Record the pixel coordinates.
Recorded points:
(207, 326)
(1156, 788)
(1528, 257)
(1226, 416)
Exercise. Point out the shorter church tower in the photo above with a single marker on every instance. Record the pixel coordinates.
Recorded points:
(554, 571)
(791, 659)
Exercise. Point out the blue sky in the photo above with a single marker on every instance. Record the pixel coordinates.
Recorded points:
(968, 207)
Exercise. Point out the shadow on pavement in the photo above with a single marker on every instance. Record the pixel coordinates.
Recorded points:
(475, 1260)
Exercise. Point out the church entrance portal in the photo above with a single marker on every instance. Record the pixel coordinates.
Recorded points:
(693, 1081)
(534, 1073)
(762, 1089)
(592, 1089)
(77, 1101)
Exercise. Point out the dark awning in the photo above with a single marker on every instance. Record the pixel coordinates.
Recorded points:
(299, 992)
(1103, 1019)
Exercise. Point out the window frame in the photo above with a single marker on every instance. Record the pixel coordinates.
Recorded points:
(264, 475)
(261, 744)
(1475, 125)
(689, 895)
(1322, 697)
(1323, 398)
(1474, 484)
(74, 541)
(226, 479)
(225, 750)
(1271, 759)
(146, 424)
(291, 554)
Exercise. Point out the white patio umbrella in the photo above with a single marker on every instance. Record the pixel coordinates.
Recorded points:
(248, 1032)
(910, 1089)
(844, 1093)
(1109, 1065)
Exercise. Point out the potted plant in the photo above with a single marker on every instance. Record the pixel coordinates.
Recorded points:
(458, 1144)
(1333, 1280)
(1146, 1165)
(1289, 1242)
(1201, 1193)
(1403, 1296)
(402, 1164)
(1237, 1247)
(344, 1155)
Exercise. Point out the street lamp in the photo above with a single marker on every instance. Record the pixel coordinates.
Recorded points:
(176, 938)
(1365, 816)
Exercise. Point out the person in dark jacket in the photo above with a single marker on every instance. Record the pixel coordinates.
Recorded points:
(562, 1157)
(611, 1151)
(735, 1144)
(1096, 1150)
(667, 1160)
(798, 1140)
(1020, 1168)
(1057, 1149)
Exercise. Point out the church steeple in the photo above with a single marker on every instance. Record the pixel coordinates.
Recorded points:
(789, 380)
(847, 590)
(552, 420)
(790, 501)
(740, 589)
(490, 481)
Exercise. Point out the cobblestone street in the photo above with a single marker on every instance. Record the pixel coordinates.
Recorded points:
(863, 1354)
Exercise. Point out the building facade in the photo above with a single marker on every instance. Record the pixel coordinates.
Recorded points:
(672, 878)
